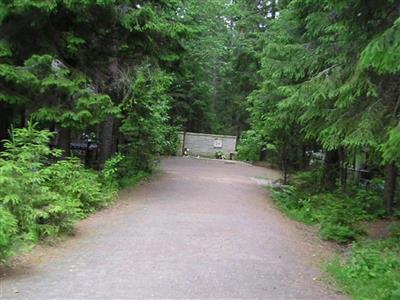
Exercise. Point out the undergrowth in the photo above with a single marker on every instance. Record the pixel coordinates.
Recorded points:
(337, 214)
(42, 196)
(133, 179)
(370, 269)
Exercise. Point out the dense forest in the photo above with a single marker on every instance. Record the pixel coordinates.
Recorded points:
(92, 92)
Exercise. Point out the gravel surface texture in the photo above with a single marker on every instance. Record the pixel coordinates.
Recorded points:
(200, 229)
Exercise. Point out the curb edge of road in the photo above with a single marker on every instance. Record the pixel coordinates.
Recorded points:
(226, 161)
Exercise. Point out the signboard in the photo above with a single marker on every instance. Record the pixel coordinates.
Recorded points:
(217, 143)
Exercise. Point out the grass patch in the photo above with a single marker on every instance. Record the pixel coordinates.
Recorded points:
(337, 214)
(372, 271)
(133, 179)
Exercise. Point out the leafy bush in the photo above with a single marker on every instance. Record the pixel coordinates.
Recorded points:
(394, 230)
(308, 181)
(294, 204)
(170, 142)
(69, 179)
(38, 198)
(109, 174)
(8, 230)
(337, 214)
(338, 233)
(372, 269)
(146, 123)
(249, 146)
(371, 272)
(117, 174)
(133, 179)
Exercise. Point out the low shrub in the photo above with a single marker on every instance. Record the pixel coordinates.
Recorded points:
(249, 146)
(132, 179)
(40, 199)
(69, 179)
(394, 230)
(8, 231)
(337, 214)
(372, 271)
(339, 233)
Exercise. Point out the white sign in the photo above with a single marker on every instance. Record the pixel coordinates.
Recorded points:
(217, 143)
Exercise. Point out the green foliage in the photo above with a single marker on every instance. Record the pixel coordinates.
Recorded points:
(338, 215)
(78, 106)
(38, 199)
(392, 146)
(5, 50)
(74, 65)
(383, 52)
(130, 179)
(339, 233)
(72, 181)
(109, 174)
(394, 230)
(329, 80)
(372, 271)
(8, 231)
(250, 146)
(73, 44)
(145, 122)
(219, 67)
(68, 74)
(170, 145)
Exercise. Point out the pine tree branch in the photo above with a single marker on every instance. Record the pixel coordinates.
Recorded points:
(326, 71)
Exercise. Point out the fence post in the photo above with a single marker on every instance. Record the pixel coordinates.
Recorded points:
(183, 142)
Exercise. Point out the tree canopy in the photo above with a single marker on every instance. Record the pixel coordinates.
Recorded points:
(288, 76)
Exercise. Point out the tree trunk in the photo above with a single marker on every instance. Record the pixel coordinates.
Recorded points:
(273, 9)
(285, 172)
(331, 169)
(390, 187)
(116, 136)
(107, 137)
(303, 162)
(285, 164)
(22, 117)
(107, 140)
(343, 168)
(64, 141)
(5, 122)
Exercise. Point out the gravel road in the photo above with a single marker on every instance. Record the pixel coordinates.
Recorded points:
(200, 229)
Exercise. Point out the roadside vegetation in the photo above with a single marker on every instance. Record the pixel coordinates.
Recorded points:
(42, 199)
(371, 270)
(366, 267)
(326, 111)
(42, 196)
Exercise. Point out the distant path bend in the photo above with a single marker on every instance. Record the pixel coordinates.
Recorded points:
(202, 229)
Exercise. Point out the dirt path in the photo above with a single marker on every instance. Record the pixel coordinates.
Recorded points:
(201, 229)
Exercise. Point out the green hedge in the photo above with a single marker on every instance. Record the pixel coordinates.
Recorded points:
(42, 196)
